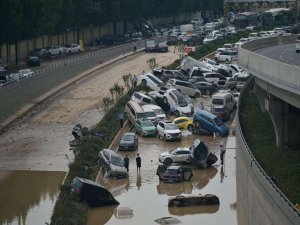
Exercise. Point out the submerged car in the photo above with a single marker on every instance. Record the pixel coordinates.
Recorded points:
(93, 193)
(112, 163)
(174, 174)
(177, 155)
(145, 128)
(196, 200)
(200, 155)
(129, 141)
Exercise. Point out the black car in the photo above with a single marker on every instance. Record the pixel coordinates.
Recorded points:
(33, 61)
(112, 163)
(174, 174)
(172, 40)
(129, 141)
(206, 87)
(200, 155)
(93, 193)
(109, 40)
(162, 47)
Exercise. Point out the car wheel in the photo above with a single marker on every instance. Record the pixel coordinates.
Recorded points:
(197, 95)
(144, 83)
(177, 113)
(208, 92)
(168, 161)
(190, 128)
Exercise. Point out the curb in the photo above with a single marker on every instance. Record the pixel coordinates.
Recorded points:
(28, 107)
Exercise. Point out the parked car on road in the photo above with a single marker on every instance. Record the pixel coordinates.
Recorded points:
(185, 123)
(211, 123)
(162, 47)
(149, 80)
(71, 48)
(112, 163)
(129, 141)
(33, 61)
(25, 73)
(184, 87)
(145, 128)
(56, 50)
(174, 174)
(141, 98)
(176, 155)
(226, 56)
(168, 131)
(151, 46)
(206, 88)
(159, 113)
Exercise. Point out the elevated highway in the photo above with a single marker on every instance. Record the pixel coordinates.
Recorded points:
(276, 83)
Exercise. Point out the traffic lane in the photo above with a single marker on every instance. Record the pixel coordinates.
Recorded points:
(285, 53)
(147, 196)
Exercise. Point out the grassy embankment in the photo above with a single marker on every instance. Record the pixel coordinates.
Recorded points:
(282, 164)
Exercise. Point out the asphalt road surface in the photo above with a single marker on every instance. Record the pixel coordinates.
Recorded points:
(285, 53)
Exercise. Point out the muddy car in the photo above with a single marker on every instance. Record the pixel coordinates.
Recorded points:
(174, 174)
(181, 201)
(112, 163)
(93, 193)
(200, 156)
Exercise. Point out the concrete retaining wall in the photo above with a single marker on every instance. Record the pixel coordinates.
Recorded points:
(259, 200)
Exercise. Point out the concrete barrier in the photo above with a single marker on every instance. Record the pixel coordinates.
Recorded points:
(260, 201)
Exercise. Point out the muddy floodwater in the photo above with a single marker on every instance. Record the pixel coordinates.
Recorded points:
(28, 197)
(148, 197)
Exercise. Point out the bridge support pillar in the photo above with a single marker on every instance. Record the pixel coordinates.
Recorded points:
(279, 113)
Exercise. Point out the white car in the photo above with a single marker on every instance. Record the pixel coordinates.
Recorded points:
(159, 113)
(184, 87)
(176, 101)
(177, 155)
(71, 48)
(56, 50)
(209, 39)
(226, 56)
(168, 131)
(151, 81)
(25, 73)
(214, 66)
(240, 42)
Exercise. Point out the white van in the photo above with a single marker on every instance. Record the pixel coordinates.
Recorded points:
(224, 99)
(142, 98)
(159, 113)
(134, 111)
(149, 114)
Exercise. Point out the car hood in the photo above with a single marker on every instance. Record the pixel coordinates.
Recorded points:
(149, 128)
(173, 131)
(122, 142)
(185, 109)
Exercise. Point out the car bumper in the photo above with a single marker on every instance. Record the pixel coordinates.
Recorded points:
(127, 147)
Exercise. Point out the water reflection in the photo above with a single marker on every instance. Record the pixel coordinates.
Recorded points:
(174, 189)
(28, 197)
(102, 215)
(191, 210)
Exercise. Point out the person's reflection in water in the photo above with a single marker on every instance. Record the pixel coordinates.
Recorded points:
(127, 183)
(222, 173)
(138, 181)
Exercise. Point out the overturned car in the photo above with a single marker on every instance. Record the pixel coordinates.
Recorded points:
(200, 156)
(93, 193)
(174, 174)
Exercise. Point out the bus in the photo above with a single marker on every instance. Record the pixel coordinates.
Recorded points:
(245, 19)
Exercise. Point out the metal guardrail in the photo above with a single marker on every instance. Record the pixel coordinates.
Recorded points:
(245, 91)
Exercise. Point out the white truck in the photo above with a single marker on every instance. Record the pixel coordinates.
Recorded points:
(188, 63)
(187, 28)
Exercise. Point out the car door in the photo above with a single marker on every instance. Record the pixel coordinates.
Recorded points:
(160, 129)
(182, 156)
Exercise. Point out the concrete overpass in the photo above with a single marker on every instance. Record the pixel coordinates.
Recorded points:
(277, 84)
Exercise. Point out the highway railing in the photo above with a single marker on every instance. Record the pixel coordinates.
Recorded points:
(279, 74)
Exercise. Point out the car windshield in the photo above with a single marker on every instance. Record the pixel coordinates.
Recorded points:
(218, 121)
(150, 114)
(150, 42)
(117, 161)
(147, 123)
(217, 102)
(158, 111)
(171, 126)
(140, 115)
(128, 138)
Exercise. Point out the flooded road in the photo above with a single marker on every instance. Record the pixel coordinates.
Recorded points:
(148, 197)
(28, 197)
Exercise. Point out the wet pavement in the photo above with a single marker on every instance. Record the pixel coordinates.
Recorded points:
(148, 197)
(28, 197)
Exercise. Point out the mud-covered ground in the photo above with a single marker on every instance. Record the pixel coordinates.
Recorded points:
(40, 141)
